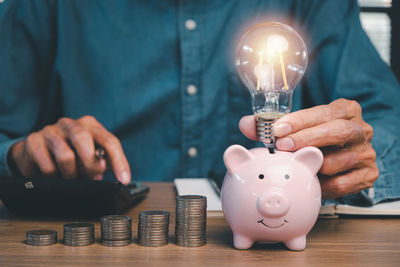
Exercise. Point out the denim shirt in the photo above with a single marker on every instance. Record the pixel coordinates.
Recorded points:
(160, 76)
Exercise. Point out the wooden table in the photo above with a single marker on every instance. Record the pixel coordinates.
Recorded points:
(338, 242)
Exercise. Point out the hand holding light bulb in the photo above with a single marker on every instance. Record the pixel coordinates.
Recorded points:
(271, 59)
(338, 128)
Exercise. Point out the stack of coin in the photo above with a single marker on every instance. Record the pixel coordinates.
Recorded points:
(191, 219)
(153, 228)
(116, 230)
(41, 237)
(78, 234)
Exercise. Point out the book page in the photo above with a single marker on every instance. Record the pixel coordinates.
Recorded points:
(199, 186)
(204, 186)
(387, 208)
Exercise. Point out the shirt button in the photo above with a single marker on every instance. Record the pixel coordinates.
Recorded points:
(190, 24)
(371, 192)
(191, 89)
(192, 152)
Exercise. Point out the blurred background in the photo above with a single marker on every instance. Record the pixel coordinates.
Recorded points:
(381, 21)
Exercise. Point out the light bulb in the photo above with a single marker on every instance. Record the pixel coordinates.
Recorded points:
(271, 59)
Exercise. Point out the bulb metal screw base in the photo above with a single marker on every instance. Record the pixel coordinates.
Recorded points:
(265, 133)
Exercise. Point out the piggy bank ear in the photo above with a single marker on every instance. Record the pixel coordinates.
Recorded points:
(311, 157)
(235, 156)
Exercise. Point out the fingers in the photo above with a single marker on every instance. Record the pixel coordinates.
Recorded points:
(337, 132)
(247, 126)
(36, 149)
(103, 164)
(345, 113)
(82, 142)
(113, 148)
(349, 183)
(115, 155)
(63, 154)
(20, 161)
(341, 160)
(68, 148)
(307, 118)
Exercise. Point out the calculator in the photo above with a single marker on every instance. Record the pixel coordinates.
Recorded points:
(80, 198)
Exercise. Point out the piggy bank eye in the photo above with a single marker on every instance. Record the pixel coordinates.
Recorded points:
(287, 177)
(261, 176)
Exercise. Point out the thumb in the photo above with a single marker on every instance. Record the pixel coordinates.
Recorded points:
(247, 126)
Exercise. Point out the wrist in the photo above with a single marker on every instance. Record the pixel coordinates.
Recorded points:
(5, 147)
(14, 153)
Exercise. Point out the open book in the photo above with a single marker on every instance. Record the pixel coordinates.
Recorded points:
(206, 187)
(384, 209)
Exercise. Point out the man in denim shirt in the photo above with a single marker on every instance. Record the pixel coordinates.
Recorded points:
(153, 82)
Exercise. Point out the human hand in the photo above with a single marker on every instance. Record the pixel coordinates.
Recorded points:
(339, 130)
(67, 148)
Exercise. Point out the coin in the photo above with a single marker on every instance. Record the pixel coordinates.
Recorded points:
(191, 219)
(153, 228)
(116, 230)
(78, 234)
(41, 237)
(115, 243)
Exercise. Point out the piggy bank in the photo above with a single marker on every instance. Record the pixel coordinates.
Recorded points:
(271, 197)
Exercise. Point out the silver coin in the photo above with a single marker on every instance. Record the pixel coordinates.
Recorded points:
(41, 237)
(78, 225)
(77, 243)
(115, 243)
(154, 213)
(116, 218)
(78, 234)
(116, 230)
(153, 228)
(190, 220)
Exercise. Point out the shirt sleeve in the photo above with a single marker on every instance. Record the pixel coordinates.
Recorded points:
(26, 53)
(344, 64)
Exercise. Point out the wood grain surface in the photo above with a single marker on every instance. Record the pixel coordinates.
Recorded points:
(338, 242)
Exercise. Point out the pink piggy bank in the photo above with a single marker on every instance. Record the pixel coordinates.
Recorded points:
(271, 197)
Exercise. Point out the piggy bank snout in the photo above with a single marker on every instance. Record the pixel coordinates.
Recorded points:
(273, 203)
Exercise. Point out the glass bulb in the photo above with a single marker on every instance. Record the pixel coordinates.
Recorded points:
(271, 59)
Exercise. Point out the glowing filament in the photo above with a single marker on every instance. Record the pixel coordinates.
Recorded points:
(283, 70)
(276, 44)
(259, 70)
